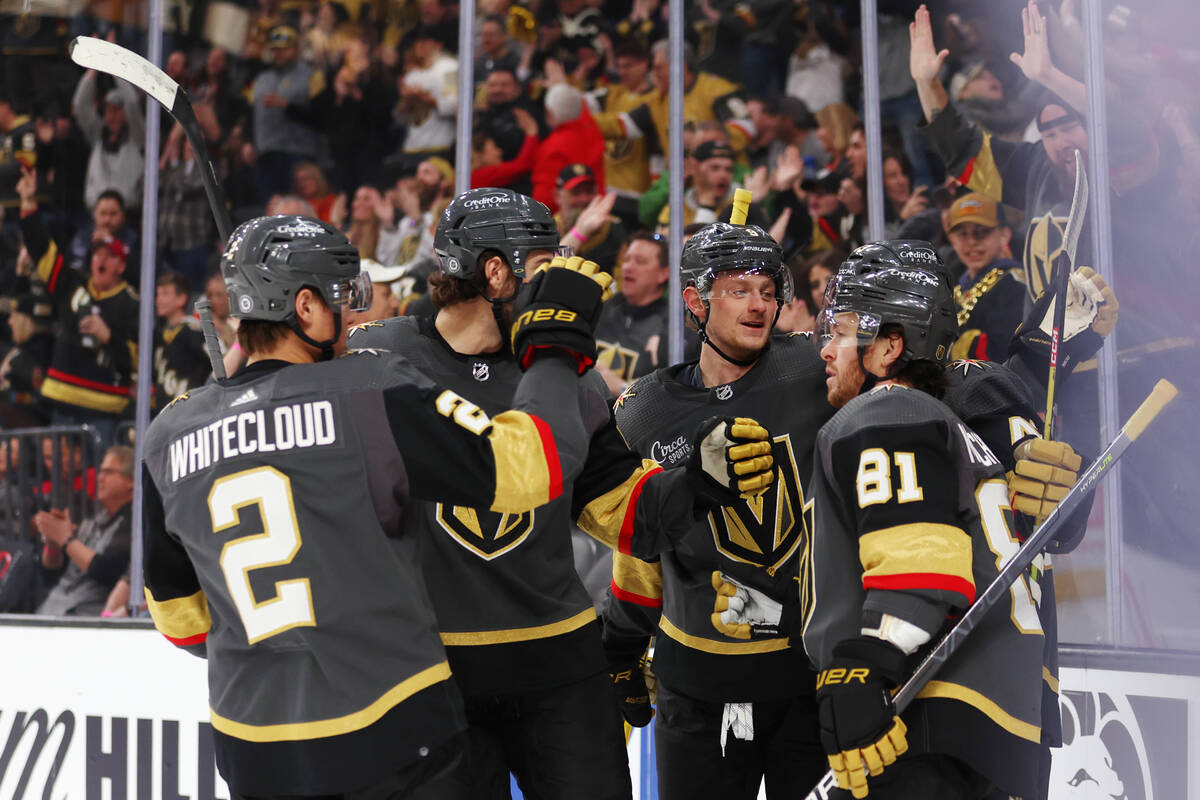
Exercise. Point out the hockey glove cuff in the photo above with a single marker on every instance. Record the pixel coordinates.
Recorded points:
(559, 309)
(860, 731)
(731, 460)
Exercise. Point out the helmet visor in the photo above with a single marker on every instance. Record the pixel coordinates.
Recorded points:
(742, 283)
(353, 294)
(845, 328)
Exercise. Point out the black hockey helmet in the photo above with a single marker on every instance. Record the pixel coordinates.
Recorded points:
(492, 219)
(269, 259)
(723, 247)
(902, 282)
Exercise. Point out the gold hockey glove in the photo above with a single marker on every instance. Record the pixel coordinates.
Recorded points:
(731, 460)
(742, 611)
(558, 310)
(1045, 471)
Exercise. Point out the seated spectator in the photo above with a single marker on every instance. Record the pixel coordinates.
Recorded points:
(384, 302)
(414, 198)
(488, 167)
(90, 379)
(574, 138)
(116, 139)
(186, 231)
(95, 551)
(109, 221)
(308, 181)
(367, 210)
(990, 295)
(180, 360)
(900, 202)
(852, 195)
(597, 236)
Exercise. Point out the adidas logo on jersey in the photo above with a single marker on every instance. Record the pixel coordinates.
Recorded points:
(249, 396)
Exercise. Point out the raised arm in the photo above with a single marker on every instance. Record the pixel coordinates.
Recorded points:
(925, 63)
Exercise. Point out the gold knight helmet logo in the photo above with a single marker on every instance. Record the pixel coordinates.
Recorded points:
(487, 534)
(1043, 243)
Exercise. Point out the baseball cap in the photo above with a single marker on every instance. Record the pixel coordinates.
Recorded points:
(282, 36)
(114, 245)
(712, 149)
(574, 175)
(825, 182)
(798, 112)
(974, 207)
(378, 273)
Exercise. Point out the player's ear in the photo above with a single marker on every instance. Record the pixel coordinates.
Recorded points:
(496, 273)
(691, 298)
(306, 303)
(893, 347)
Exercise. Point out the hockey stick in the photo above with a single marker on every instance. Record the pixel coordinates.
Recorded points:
(1162, 394)
(102, 56)
(1063, 265)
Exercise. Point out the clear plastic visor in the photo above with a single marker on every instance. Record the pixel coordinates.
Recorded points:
(353, 294)
(845, 328)
(739, 284)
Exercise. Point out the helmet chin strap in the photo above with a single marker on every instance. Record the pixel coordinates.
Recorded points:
(703, 334)
(326, 347)
(870, 379)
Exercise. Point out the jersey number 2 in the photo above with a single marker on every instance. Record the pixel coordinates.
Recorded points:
(271, 491)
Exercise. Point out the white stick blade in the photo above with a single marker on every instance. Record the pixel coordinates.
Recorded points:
(97, 54)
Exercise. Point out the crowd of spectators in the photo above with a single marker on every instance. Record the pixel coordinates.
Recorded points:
(347, 111)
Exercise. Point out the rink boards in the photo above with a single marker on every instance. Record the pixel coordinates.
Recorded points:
(100, 710)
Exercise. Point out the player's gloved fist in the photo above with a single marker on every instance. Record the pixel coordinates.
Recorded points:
(1099, 294)
(731, 459)
(860, 731)
(631, 691)
(1044, 473)
(558, 309)
(742, 611)
(1090, 316)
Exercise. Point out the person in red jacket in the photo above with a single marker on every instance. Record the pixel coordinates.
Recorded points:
(574, 138)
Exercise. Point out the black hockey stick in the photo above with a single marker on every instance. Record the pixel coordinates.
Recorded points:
(1163, 393)
(1063, 264)
(103, 56)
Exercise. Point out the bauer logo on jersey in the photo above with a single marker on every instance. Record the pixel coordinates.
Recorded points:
(480, 371)
(487, 534)
(769, 529)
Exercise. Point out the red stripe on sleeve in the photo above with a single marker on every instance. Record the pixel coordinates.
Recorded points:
(54, 273)
(189, 640)
(923, 580)
(550, 451)
(636, 599)
(824, 225)
(623, 542)
(965, 176)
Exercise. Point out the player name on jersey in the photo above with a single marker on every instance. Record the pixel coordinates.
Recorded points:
(262, 431)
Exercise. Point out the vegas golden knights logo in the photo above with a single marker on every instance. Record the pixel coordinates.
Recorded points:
(769, 529)
(620, 360)
(484, 533)
(1043, 243)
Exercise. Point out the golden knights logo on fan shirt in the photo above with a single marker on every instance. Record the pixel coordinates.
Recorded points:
(767, 530)
(486, 534)
(1043, 243)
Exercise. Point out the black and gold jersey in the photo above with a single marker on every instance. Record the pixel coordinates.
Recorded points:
(274, 543)
(632, 340)
(180, 360)
(913, 520)
(512, 612)
(763, 543)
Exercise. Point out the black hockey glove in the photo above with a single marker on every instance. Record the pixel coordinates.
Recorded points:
(631, 692)
(559, 309)
(731, 459)
(859, 728)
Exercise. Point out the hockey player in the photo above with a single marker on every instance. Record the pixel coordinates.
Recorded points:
(914, 519)
(732, 707)
(273, 503)
(520, 630)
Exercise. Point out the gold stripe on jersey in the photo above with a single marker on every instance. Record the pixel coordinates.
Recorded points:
(721, 648)
(1050, 680)
(180, 617)
(954, 691)
(521, 634)
(918, 549)
(634, 576)
(297, 731)
(984, 175)
(605, 518)
(523, 479)
(63, 392)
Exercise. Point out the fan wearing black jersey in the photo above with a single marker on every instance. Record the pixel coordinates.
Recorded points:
(519, 628)
(273, 503)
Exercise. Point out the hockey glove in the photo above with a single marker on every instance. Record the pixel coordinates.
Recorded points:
(558, 308)
(1044, 473)
(860, 731)
(631, 691)
(742, 611)
(1091, 315)
(731, 459)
